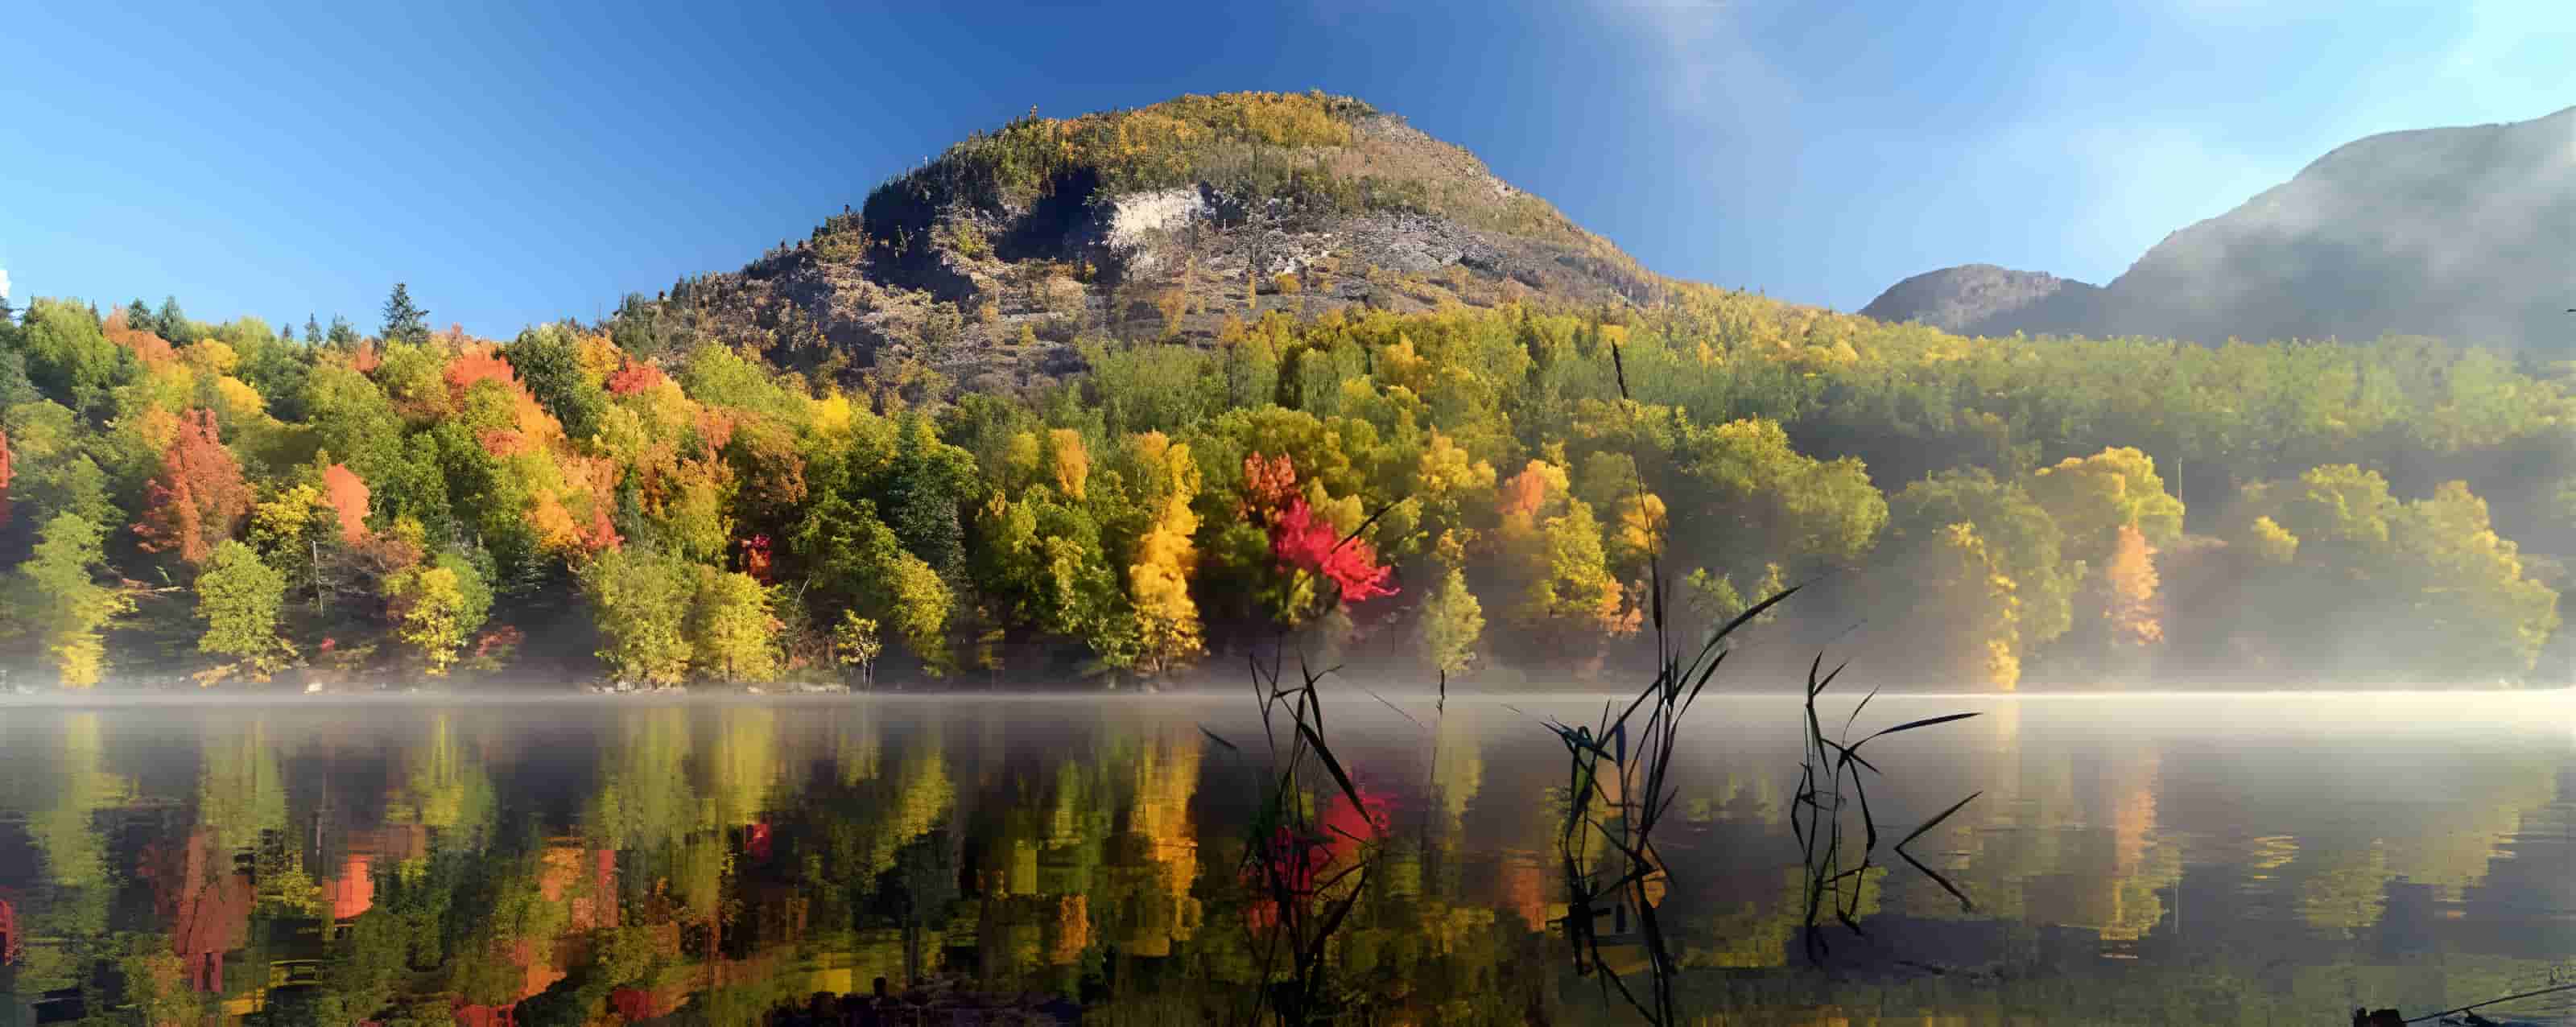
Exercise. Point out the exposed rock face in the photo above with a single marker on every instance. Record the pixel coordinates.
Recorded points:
(2464, 233)
(987, 263)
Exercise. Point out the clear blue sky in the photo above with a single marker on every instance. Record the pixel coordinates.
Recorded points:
(515, 166)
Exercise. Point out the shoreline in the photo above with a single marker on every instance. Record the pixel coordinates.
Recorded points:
(684, 697)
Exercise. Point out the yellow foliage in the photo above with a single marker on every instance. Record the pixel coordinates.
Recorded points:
(240, 401)
(2131, 575)
(1072, 461)
(211, 357)
(2273, 543)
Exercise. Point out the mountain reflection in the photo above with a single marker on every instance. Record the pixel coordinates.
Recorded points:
(562, 863)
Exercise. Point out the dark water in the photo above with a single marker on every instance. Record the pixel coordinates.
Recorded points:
(2133, 860)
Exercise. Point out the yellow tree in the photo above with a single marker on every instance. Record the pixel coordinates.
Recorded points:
(2130, 577)
(1158, 583)
(436, 607)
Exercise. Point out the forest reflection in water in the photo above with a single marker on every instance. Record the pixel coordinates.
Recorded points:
(2183, 859)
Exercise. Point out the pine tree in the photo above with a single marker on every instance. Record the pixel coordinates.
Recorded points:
(170, 324)
(312, 330)
(403, 321)
(139, 316)
(342, 335)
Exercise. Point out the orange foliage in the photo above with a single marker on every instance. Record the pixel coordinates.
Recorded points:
(600, 475)
(1268, 482)
(4, 478)
(1525, 492)
(2131, 575)
(635, 377)
(476, 364)
(348, 494)
(715, 427)
(152, 350)
(199, 497)
(366, 359)
(502, 443)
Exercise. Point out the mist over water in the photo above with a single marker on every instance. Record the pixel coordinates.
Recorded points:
(2133, 858)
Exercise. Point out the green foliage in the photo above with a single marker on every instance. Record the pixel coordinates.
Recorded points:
(640, 601)
(437, 607)
(548, 361)
(239, 597)
(60, 604)
(1451, 625)
(733, 635)
(404, 322)
(69, 357)
(1109, 521)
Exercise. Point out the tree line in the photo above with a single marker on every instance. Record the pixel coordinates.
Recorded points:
(1465, 492)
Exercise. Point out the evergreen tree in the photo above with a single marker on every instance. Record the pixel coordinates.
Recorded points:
(139, 316)
(342, 334)
(312, 330)
(170, 324)
(403, 321)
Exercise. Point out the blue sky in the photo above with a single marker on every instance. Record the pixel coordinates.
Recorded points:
(515, 166)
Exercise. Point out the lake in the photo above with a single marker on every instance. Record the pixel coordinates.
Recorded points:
(2202, 859)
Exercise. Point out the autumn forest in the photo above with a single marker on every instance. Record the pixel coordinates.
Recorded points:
(1460, 494)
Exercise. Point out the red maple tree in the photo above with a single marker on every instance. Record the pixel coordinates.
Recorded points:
(1303, 541)
(199, 498)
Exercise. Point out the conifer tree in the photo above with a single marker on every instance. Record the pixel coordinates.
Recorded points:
(403, 321)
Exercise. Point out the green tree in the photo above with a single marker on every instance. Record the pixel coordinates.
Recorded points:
(403, 321)
(855, 644)
(69, 357)
(2010, 530)
(640, 601)
(239, 597)
(61, 602)
(548, 361)
(1452, 621)
(170, 324)
(437, 607)
(731, 628)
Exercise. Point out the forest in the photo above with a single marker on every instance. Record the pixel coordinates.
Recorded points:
(1473, 494)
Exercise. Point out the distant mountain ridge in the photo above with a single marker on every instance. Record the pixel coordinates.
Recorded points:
(2466, 233)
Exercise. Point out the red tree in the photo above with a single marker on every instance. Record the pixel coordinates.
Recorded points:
(4, 478)
(633, 378)
(1303, 541)
(199, 498)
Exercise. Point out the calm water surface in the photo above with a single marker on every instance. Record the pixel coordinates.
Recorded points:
(2171, 859)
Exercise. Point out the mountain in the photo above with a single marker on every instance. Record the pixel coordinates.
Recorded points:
(1161, 222)
(1959, 298)
(2463, 233)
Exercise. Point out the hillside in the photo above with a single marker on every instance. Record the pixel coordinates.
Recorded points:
(2462, 233)
(1158, 223)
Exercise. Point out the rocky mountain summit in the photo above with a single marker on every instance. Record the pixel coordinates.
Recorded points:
(1172, 222)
